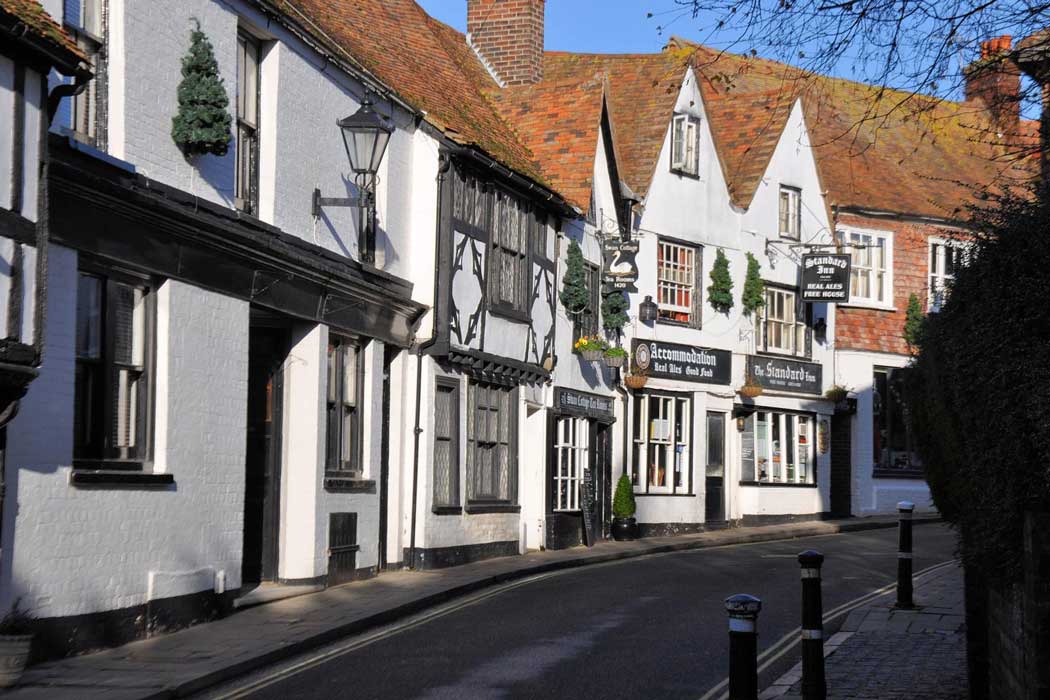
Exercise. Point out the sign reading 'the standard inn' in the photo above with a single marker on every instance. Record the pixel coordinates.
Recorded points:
(825, 277)
(687, 362)
(786, 375)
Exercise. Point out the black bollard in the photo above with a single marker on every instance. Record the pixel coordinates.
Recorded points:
(743, 612)
(814, 686)
(904, 587)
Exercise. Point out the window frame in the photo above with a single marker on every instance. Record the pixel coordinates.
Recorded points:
(937, 260)
(793, 219)
(779, 420)
(88, 113)
(882, 465)
(694, 287)
(578, 450)
(518, 308)
(846, 237)
(641, 445)
(346, 466)
(100, 455)
(475, 445)
(685, 137)
(592, 313)
(246, 194)
(454, 501)
(801, 330)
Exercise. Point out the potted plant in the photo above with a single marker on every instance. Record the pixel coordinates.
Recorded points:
(836, 393)
(615, 356)
(591, 347)
(16, 634)
(635, 380)
(751, 387)
(623, 525)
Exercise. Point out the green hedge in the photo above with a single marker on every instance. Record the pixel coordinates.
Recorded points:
(980, 387)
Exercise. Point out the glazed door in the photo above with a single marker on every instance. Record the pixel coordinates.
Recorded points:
(714, 510)
(266, 350)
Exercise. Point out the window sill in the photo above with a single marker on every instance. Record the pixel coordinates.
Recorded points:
(447, 510)
(509, 314)
(777, 484)
(643, 494)
(861, 304)
(678, 324)
(479, 508)
(108, 465)
(784, 355)
(914, 474)
(119, 477)
(345, 484)
(685, 173)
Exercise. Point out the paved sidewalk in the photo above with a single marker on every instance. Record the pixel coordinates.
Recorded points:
(185, 662)
(886, 654)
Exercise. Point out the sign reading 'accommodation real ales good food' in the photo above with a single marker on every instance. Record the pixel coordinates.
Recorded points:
(786, 375)
(825, 277)
(686, 362)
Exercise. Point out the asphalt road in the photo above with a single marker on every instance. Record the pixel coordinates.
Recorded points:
(644, 628)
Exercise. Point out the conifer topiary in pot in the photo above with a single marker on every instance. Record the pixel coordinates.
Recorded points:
(623, 524)
(16, 636)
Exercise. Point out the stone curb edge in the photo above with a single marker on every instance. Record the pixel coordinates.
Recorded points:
(227, 673)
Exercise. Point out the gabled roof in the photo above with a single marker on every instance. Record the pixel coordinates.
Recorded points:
(41, 26)
(414, 55)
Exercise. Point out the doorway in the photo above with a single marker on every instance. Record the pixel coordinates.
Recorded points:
(714, 504)
(603, 479)
(267, 348)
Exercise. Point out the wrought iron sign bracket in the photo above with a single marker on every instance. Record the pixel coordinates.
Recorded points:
(319, 202)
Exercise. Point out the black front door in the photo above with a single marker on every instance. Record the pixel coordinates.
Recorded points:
(603, 479)
(266, 350)
(714, 506)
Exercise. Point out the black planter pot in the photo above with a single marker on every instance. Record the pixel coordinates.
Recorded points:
(623, 529)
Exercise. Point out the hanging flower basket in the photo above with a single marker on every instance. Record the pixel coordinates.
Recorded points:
(615, 357)
(591, 347)
(750, 390)
(592, 355)
(635, 381)
(836, 393)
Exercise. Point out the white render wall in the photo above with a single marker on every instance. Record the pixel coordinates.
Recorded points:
(871, 496)
(32, 99)
(79, 550)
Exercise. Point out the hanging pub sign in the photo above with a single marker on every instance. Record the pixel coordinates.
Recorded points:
(786, 375)
(825, 277)
(619, 264)
(583, 403)
(656, 358)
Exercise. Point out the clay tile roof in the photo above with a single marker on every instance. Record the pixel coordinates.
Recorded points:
(420, 59)
(559, 121)
(42, 26)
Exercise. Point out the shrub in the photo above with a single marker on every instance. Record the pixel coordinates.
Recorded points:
(913, 323)
(202, 124)
(980, 388)
(574, 293)
(720, 293)
(623, 501)
(754, 288)
(17, 621)
(614, 311)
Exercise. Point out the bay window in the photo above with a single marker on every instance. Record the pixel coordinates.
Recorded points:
(945, 257)
(661, 456)
(114, 328)
(871, 270)
(492, 469)
(572, 443)
(343, 434)
(780, 325)
(778, 448)
(790, 212)
(678, 283)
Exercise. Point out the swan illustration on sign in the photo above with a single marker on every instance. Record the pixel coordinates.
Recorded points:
(620, 269)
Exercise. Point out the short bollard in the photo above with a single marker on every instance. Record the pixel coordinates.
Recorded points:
(743, 612)
(814, 687)
(904, 587)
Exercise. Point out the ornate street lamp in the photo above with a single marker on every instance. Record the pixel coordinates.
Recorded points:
(647, 310)
(366, 134)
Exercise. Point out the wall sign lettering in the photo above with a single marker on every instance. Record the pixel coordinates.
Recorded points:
(582, 403)
(786, 375)
(686, 362)
(825, 277)
(619, 267)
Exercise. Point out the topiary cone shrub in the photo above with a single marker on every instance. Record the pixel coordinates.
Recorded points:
(623, 502)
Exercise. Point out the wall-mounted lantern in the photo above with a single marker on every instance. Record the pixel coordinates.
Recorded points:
(647, 310)
(366, 134)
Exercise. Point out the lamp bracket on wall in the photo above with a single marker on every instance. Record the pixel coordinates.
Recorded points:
(319, 202)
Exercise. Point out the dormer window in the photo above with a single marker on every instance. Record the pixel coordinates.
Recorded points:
(685, 145)
(790, 212)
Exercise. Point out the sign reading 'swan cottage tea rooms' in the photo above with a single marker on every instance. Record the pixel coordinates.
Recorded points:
(825, 277)
(582, 403)
(686, 362)
(786, 375)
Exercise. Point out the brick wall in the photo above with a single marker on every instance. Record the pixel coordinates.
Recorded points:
(508, 34)
(881, 330)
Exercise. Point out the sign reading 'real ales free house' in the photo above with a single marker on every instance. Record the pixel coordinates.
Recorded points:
(686, 362)
(825, 277)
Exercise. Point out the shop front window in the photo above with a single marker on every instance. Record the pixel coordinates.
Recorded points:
(777, 448)
(662, 437)
(572, 448)
(893, 447)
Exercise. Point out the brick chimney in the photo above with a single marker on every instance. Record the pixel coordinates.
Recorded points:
(994, 80)
(507, 35)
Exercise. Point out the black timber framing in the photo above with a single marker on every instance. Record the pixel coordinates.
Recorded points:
(115, 214)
